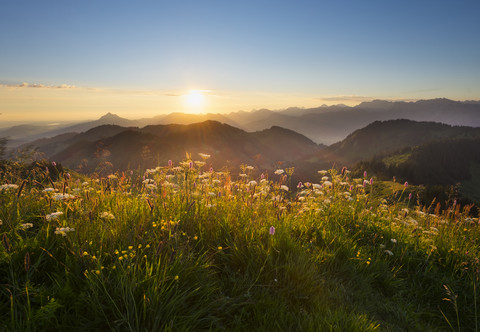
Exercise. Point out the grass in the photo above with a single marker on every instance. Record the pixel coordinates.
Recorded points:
(186, 248)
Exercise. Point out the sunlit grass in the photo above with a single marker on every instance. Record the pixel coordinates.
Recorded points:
(185, 247)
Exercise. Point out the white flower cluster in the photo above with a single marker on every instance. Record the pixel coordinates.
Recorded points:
(8, 186)
(53, 216)
(63, 197)
(63, 230)
(107, 215)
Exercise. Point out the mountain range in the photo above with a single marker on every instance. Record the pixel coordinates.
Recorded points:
(323, 125)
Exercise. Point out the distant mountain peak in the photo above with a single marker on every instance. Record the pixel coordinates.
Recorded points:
(110, 116)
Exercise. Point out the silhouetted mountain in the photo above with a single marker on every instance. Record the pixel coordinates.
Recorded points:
(332, 124)
(155, 145)
(53, 145)
(324, 124)
(426, 153)
(386, 137)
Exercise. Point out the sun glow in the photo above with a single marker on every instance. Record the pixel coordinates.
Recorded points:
(195, 101)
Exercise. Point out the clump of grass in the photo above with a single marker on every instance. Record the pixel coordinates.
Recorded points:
(185, 247)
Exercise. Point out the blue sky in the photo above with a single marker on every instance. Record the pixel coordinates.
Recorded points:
(242, 54)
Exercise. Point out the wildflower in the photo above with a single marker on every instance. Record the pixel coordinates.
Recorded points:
(243, 175)
(195, 238)
(284, 187)
(410, 196)
(388, 252)
(252, 183)
(130, 247)
(327, 184)
(54, 215)
(85, 253)
(63, 197)
(54, 164)
(63, 230)
(365, 174)
(393, 240)
(325, 178)
(279, 171)
(8, 186)
(322, 172)
(176, 278)
(46, 190)
(204, 156)
(271, 230)
(250, 168)
(107, 215)
(26, 225)
(406, 184)
(371, 181)
(97, 272)
(220, 248)
(170, 163)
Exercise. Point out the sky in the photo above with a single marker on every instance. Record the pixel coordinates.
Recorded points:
(74, 60)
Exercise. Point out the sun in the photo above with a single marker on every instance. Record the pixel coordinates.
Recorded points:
(195, 101)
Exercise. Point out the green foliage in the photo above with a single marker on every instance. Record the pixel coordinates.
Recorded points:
(181, 248)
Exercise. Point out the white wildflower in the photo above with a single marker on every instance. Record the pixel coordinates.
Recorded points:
(284, 187)
(54, 215)
(388, 252)
(393, 240)
(322, 172)
(107, 215)
(63, 230)
(47, 190)
(26, 225)
(328, 184)
(63, 197)
(279, 171)
(8, 186)
(252, 183)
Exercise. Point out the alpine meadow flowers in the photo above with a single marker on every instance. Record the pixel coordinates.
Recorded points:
(189, 246)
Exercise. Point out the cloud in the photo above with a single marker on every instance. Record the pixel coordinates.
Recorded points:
(38, 85)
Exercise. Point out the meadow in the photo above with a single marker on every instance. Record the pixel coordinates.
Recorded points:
(184, 247)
